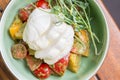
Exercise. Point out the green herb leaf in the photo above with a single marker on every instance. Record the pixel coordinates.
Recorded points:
(75, 13)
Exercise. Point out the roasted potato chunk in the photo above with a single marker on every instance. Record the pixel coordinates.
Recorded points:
(85, 39)
(31, 52)
(19, 33)
(74, 62)
(14, 28)
(81, 48)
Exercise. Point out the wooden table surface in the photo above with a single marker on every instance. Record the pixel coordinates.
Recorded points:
(110, 70)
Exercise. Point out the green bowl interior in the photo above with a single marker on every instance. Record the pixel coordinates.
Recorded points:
(88, 65)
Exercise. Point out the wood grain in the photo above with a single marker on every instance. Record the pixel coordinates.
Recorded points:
(5, 74)
(3, 4)
(110, 69)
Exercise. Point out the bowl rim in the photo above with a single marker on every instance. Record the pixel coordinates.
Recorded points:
(107, 42)
(21, 77)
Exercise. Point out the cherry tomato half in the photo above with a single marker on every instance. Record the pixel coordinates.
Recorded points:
(60, 66)
(43, 71)
(42, 3)
(23, 14)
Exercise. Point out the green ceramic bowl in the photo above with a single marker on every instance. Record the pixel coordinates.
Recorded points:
(89, 65)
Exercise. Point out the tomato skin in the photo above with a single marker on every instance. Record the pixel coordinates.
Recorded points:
(74, 50)
(60, 66)
(43, 71)
(32, 62)
(19, 51)
(42, 3)
(23, 14)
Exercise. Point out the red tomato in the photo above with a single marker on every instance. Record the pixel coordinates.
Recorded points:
(19, 51)
(74, 50)
(42, 3)
(23, 14)
(60, 66)
(43, 71)
(32, 62)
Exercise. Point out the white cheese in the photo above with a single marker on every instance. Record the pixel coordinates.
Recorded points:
(50, 41)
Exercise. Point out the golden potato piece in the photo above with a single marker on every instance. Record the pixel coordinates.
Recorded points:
(31, 52)
(81, 48)
(85, 39)
(74, 62)
(87, 50)
(19, 33)
(84, 36)
(17, 23)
